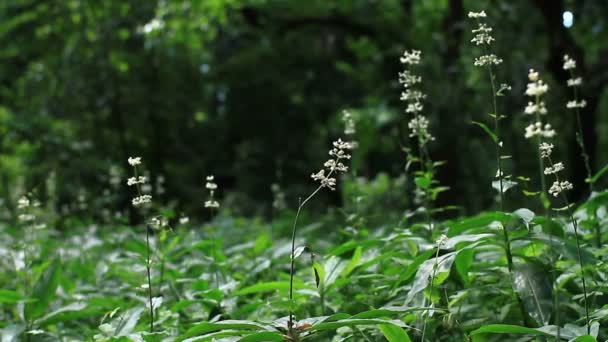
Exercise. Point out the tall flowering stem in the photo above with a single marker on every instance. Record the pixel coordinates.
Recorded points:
(483, 37)
(139, 201)
(538, 130)
(558, 189)
(213, 205)
(326, 178)
(576, 105)
(418, 127)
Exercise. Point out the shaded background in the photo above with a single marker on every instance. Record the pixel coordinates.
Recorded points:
(252, 91)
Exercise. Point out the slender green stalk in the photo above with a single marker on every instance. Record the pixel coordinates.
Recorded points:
(293, 259)
(506, 239)
(579, 135)
(148, 256)
(578, 248)
(435, 266)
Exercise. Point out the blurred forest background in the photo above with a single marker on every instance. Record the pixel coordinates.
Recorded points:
(253, 90)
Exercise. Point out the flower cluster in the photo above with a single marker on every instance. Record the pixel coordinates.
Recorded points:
(210, 185)
(576, 104)
(349, 123)
(483, 36)
(536, 89)
(569, 63)
(553, 169)
(141, 200)
(23, 205)
(333, 165)
(487, 60)
(545, 150)
(537, 129)
(139, 182)
(558, 187)
(419, 124)
(441, 240)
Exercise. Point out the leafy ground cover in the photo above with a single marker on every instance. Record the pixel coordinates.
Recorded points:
(228, 280)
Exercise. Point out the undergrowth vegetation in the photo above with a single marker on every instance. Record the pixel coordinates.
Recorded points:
(358, 273)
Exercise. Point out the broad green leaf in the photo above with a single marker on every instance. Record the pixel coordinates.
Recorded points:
(265, 336)
(267, 287)
(349, 322)
(10, 297)
(394, 333)
(44, 291)
(207, 327)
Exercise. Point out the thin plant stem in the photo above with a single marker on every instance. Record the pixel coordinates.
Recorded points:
(435, 266)
(149, 278)
(579, 135)
(505, 233)
(148, 256)
(578, 249)
(293, 248)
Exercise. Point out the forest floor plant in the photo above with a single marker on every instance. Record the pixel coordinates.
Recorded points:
(418, 126)
(483, 37)
(140, 201)
(326, 178)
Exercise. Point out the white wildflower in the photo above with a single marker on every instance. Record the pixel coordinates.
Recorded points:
(25, 217)
(349, 123)
(482, 35)
(442, 240)
(576, 104)
(419, 127)
(557, 167)
(537, 88)
(408, 79)
(476, 15)
(184, 220)
(133, 161)
(487, 60)
(411, 57)
(569, 63)
(533, 75)
(537, 129)
(545, 150)
(558, 187)
(141, 200)
(212, 204)
(533, 108)
(136, 180)
(23, 203)
(415, 107)
(575, 82)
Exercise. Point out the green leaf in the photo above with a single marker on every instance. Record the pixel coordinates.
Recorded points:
(207, 327)
(584, 338)
(349, 322)
(422, 182)
(263, 337)
(44, 291)
(394, 333)
(463, 261)
(505, 329)
(597, 176)
(487, 130)
(354, 262)
(10, 297)
(265, 287)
